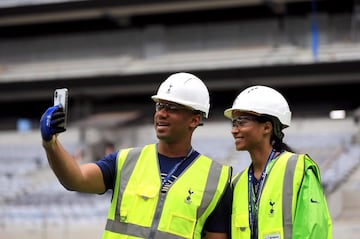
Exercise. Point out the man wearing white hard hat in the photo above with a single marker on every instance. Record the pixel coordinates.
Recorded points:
(166, 190)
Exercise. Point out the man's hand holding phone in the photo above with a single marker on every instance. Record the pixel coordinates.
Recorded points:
(53, 121)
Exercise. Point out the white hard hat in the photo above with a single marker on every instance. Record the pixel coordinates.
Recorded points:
(185, 89)
(262, 100)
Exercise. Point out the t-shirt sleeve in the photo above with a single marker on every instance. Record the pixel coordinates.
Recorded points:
(108, 166)
(219, 219)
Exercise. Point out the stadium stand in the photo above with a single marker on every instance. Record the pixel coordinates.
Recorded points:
(157, 48)
(32, 202)
(32, 197)
(28, 181)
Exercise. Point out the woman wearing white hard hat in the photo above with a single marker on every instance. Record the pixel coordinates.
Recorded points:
(279, 195)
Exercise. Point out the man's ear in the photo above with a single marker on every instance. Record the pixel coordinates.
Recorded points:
(195, 121)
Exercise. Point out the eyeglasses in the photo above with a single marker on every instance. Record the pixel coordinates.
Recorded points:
(171, 108)
(244, 120)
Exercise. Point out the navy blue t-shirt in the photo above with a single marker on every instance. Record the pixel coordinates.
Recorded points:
(218, 221)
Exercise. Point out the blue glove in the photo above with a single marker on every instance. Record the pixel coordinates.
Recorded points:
(52, 122)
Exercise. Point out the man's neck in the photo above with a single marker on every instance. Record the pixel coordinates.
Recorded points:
(174, 150)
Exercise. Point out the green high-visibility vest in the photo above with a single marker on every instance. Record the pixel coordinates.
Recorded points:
(139, 209)
(291, 205)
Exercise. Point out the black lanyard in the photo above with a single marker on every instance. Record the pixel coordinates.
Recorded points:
(253, 201)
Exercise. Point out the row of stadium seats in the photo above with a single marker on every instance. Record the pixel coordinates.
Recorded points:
(30, 192)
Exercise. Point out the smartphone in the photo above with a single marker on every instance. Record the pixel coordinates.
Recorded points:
(61, 98)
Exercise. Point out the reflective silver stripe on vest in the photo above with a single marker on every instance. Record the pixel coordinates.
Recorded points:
(126, 171)
(139, 231)
(136, 230)
(211, 185)
(288, 195)
(156, 219)
(116, 225)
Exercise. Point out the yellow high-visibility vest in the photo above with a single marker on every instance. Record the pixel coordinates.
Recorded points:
(277, 203)
(139, 209)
